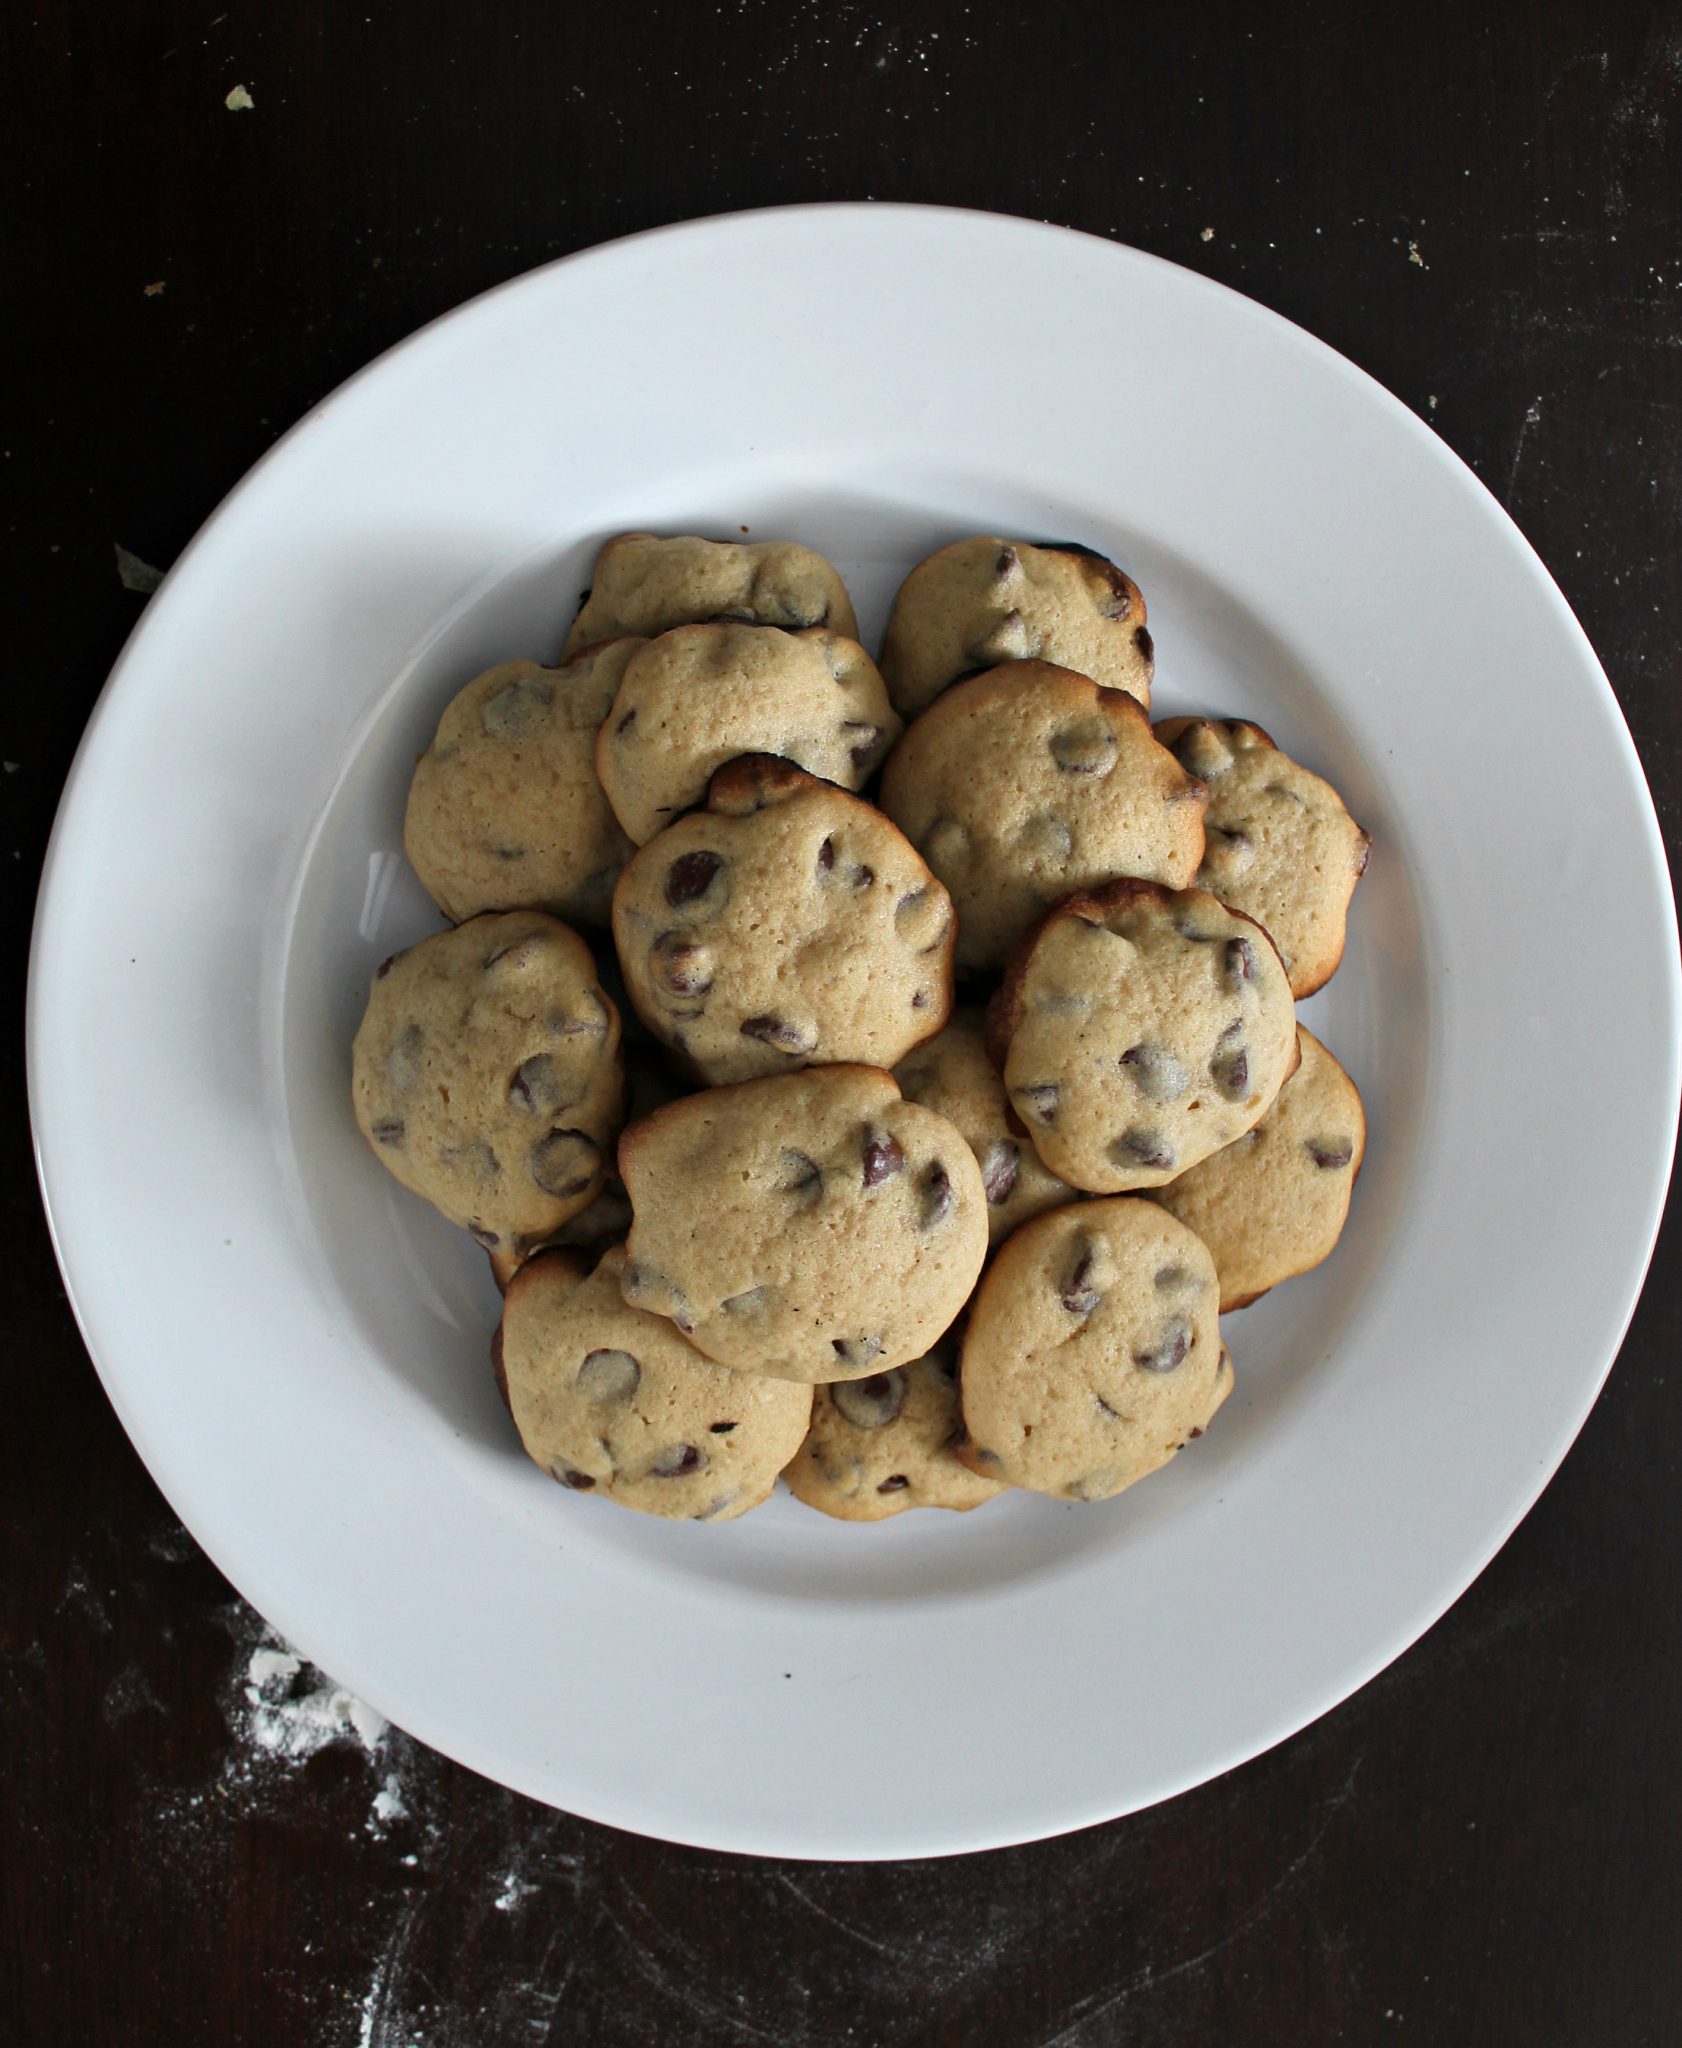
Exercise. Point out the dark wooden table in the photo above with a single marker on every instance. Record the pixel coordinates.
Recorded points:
(1481, 207)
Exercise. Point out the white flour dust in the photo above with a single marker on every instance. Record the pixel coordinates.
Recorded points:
(292, 1715)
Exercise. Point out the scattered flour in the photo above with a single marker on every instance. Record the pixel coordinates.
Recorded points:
(514, 1891)
(292, 1717)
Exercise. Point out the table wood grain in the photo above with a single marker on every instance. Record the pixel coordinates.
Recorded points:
(1481, 207)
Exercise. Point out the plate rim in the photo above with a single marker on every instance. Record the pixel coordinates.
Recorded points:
(65, 824)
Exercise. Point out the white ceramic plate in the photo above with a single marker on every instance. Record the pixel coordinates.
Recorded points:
(299, 1350)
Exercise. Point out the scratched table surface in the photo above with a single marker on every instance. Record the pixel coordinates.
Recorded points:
(214, 214)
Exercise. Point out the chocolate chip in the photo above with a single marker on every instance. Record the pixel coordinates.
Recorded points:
(1000, 1164)
(536, 1086)
(1007, 563)
(856, 1351)
(384, 967)
(1174, 1279)
(609, 1377)
(920, 999)
(1231, 1074)
(1157, 1074)
(519, 954)
(564, 1163)
(1077, 1293)
(475, 1160)
(642, 1286)
(869, 1404)
(681, 966)
(801, 1175)
(922, 919)
(721, 1428)
(1330, 1152)
(1140, 1147)
(1240, 958)
(625, 724)
(389, 1130)
(1143, 641)
(746, 1304)
(509, 852)
(691, 875)
(678, 1462)
(826, 856)
(1047, 838)
(867, 738)
(861, 877)
(1175, 1342)
(882, 1156)
(481, 1236)
(896, 1482)
(403, 1061)
(1236, 842)
(516, 708)
(780, 1032)
(592, 1026)
(1008, 638)
(937, 1196)
(580, 1482)
(1085, 746)
(1038, 1101)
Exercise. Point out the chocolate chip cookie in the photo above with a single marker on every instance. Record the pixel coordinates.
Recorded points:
(1274, 1203)
(952, 1074)
(881, 1445)
(505, 810)
(1029, 781)
(486, 1075)
(1140, 1029)
(1093, 1350)
(1281, 847)
(649, 1083)
(813, 1226)
(645, 583)
(787, 923)
(700, 695)
(981, 602)
(611, 1401)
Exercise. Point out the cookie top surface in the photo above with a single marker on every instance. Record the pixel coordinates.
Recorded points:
(609, 1400)
(1281, 847)
(505, 810)
(952, 1074)
(789, 922)
(1021, 784)
(1139, 1029)
(645, 583)
(984, 601)
(1093, 1350)
(698, 696)
(881, 1445)
(486, 1074)
(1274, 1203)
(814, 1226)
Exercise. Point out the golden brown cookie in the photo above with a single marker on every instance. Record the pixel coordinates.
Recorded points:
(789, 923)
(646, 583)
(614, 1402)
(1093, 1350)
(1022, 784)
(1281, 847)
(1138, 1030)
(698, 696)
(505, 810)
(980, 602)
(1273, 1204)
(486, 1075)
(879, 1446)
(814, 1226)
(953, 1074)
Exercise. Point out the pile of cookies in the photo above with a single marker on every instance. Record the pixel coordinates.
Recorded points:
(816, 1216)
